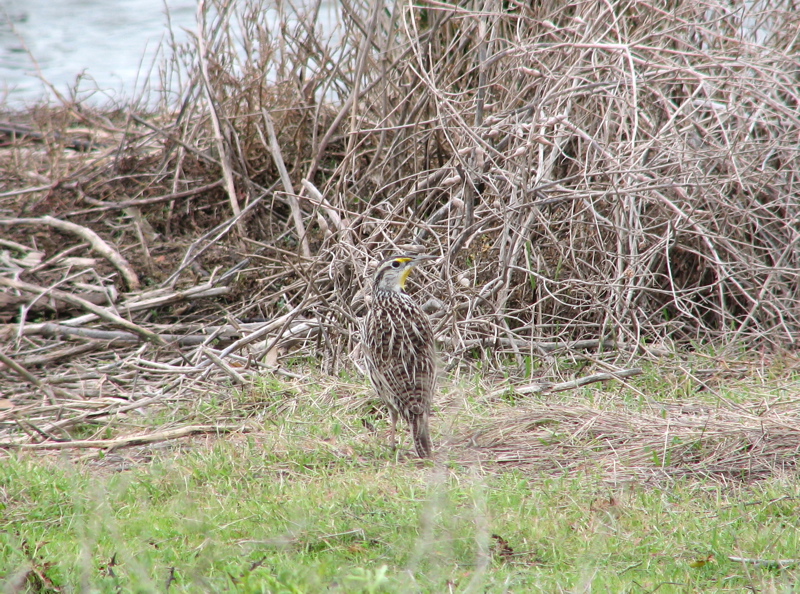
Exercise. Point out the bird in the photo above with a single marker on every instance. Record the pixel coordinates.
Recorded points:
(399, 350)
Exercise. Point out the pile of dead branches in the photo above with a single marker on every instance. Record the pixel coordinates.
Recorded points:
(599, 176)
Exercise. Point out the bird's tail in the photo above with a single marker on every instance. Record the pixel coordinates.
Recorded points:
(422, 435)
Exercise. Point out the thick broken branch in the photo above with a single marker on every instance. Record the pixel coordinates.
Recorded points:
(97, 243)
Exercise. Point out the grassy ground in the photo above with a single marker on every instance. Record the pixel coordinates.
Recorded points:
(586, 170)
(309, 500)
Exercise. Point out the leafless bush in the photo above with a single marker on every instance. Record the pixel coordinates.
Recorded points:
(585, 170)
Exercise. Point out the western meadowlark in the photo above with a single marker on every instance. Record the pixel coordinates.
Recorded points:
(399, 350)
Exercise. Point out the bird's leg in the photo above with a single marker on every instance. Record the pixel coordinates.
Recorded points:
(393, 429)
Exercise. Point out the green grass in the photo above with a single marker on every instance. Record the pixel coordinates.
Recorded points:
(312, 502)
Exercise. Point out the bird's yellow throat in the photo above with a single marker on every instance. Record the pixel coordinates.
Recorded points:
(404, 276)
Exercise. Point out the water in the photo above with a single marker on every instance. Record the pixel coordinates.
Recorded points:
(111, 44)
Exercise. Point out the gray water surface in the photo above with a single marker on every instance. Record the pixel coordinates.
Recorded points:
(112, 43)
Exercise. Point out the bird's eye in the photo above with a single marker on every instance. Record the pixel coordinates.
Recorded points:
(395, 264)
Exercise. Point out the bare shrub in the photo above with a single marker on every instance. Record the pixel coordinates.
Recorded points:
(585, 170)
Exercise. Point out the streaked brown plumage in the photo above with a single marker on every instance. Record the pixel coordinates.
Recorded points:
(399, 349)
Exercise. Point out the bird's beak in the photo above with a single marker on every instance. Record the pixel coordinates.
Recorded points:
(413, 261)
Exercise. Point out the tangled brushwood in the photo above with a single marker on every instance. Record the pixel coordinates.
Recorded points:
(613, 175)
(613, 171)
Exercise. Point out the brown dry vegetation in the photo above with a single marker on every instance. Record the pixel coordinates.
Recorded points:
(621, 174)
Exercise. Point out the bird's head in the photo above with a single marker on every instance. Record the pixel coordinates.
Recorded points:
(392, 273)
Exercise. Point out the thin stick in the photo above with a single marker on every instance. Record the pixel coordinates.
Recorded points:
(767, 563)
(222, 147)
(294, 203)
(91, 307)
(29, 377)
(145, 201)
(146, 301)
(232, 373)
(124, 442)
(570, 385)
(24, 191)
(112, 338)
(61, 354)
